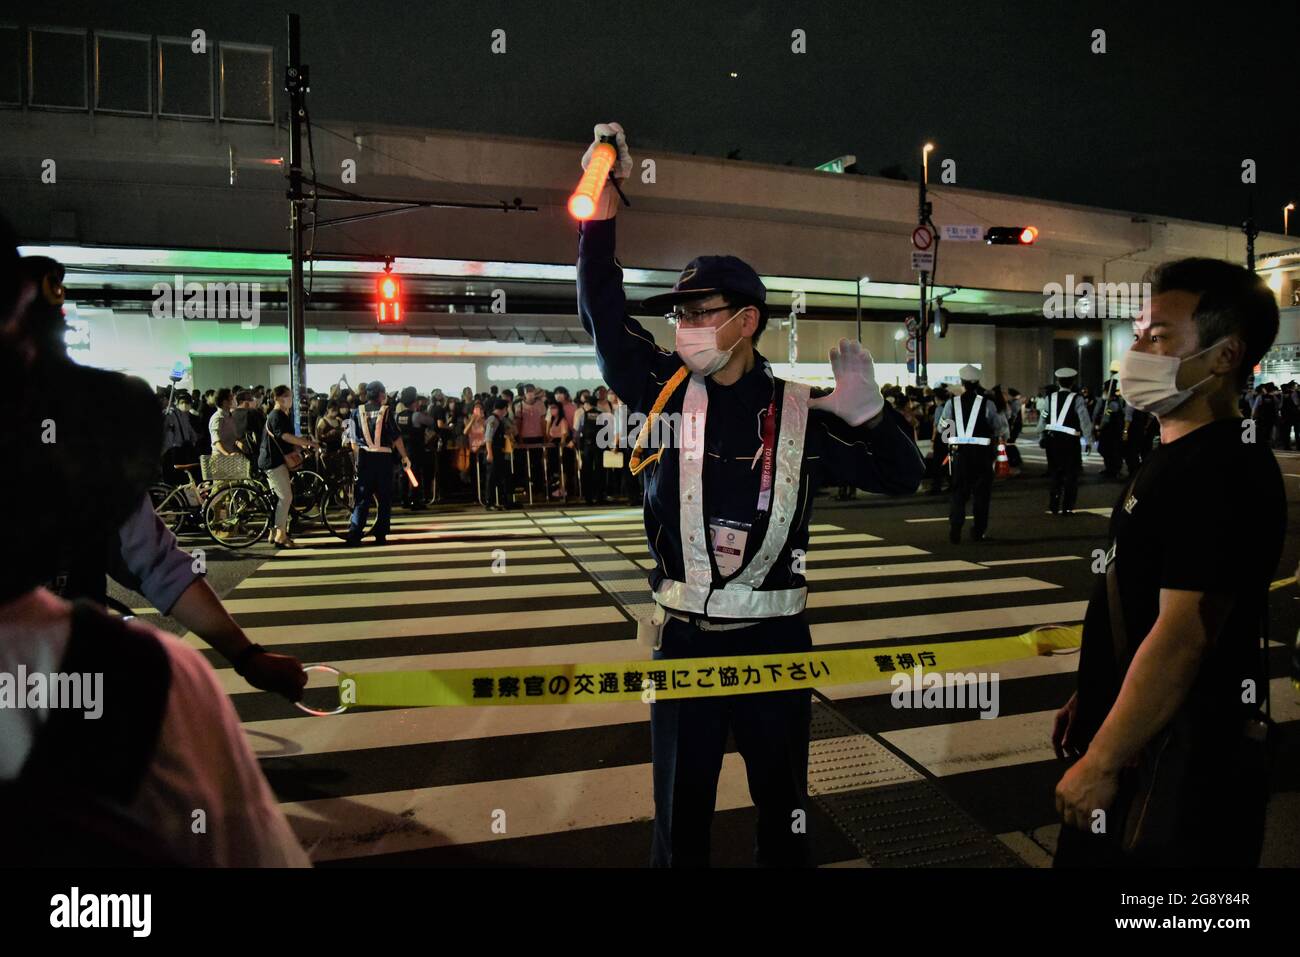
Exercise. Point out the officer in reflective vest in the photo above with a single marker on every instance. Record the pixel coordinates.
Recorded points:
(1066, 419)
(731, 456)
(412, 420)
(970, 425)
(376, 438)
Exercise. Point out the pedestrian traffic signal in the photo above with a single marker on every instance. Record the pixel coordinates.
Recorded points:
(388, 298)
(939, 320)
(1011, 235)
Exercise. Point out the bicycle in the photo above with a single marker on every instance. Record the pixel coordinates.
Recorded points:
(340, 500)
(241, 513)
(181, 506)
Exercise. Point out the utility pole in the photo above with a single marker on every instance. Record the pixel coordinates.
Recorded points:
(296, 84)
(923, 210)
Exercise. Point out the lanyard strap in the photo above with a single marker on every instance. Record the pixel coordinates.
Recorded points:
(768, 432)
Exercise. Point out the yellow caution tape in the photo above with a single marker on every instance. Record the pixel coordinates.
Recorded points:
(666, 679)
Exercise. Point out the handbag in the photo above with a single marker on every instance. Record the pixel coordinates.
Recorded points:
(292, 460)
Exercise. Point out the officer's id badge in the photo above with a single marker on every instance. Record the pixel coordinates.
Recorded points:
(1130, 503)
(728, 544)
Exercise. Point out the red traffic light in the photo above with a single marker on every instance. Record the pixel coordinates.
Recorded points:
(388, 299)
(1011, 235)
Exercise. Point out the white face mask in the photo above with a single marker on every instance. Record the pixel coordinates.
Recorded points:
(1150, 382)
(699, 348)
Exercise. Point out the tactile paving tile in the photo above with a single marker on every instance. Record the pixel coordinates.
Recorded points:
(893, 814)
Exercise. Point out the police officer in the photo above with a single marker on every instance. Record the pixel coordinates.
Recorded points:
(376, 438)
(500, 486)
(970, 423)
(727, 510)
(412, 420)
(1064, 421)
(1110, 429)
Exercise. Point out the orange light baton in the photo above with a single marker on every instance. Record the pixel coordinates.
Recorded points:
(583, 202)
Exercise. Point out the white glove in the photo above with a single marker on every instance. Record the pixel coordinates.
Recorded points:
(856, 398)
(623, 166)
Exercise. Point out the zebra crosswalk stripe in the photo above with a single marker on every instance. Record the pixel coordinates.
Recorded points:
(427, 782)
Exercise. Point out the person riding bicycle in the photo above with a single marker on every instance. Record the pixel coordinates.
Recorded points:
(271, 459)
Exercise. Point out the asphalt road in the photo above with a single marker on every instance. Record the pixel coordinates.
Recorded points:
(399, 787)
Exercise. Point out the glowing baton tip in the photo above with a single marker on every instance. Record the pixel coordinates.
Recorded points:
(582, 204)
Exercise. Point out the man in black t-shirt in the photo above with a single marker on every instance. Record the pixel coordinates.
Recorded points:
(249, 424)
(1172, 768)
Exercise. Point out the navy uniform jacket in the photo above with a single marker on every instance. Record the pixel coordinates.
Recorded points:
(881, 459)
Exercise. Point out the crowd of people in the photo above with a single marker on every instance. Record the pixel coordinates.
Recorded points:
(547, 444)
(547, 439)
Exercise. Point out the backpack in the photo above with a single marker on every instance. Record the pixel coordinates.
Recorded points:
(65, 807)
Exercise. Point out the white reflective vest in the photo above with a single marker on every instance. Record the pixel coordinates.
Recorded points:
(372, 439)
(965, 434)
(741, 596)
(1056, 416)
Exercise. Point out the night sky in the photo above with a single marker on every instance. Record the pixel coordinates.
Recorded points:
(1158, 125)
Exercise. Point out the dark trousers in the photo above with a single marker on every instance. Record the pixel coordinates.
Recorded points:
(500, 490)
(415, 495)
(1136, 448)
(593, 475)
(479, 475)
(374, 477)
(1064, 463)
(938, 471)
(1110, 443)
(972, 477)
(688, 739)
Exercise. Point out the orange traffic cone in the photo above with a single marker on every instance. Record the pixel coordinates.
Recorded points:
(1003, 469)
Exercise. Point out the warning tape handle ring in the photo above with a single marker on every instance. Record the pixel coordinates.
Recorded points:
(312, 711)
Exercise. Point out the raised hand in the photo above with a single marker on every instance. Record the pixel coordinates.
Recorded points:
(856, 398)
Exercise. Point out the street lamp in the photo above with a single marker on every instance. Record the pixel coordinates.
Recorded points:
(1286, 218)
(925, 162)
(899, 335)
(1083, 341)
(858, 310)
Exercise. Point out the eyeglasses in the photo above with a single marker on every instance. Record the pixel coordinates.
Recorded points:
(690, 315)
